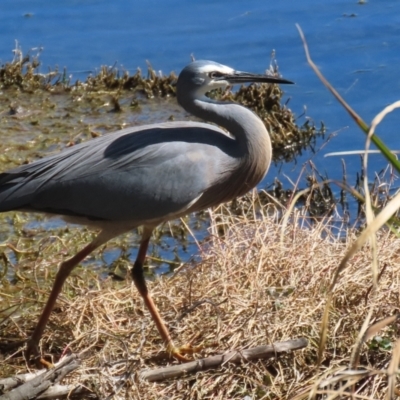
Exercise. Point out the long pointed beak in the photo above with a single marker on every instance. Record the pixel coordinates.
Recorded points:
(246, 77)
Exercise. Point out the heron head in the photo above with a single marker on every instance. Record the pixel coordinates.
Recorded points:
(199, 77)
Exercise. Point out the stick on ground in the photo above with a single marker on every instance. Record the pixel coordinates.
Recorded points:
(254, 353)
(36, 387)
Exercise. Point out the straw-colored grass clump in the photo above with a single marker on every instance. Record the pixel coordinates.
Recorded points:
(249, 289)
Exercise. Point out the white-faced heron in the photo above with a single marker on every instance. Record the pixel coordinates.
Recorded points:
(146, 175)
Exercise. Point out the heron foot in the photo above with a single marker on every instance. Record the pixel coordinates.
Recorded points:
(32, 350)
(181, 352)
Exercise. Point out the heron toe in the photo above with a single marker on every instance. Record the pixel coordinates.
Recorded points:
(180, 352)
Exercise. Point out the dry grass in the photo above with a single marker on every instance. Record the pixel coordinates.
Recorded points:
(253, 290)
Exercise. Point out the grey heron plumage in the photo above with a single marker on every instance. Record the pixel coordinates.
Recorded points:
(145, 175)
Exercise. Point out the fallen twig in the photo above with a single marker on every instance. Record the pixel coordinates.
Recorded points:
(254, 353)
(40, 385)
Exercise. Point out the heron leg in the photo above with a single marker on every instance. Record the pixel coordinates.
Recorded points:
(140, 283)
(64, 271)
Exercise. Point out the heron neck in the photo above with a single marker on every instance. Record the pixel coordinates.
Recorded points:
(246, 127)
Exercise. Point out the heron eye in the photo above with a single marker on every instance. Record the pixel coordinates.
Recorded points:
(215, 74)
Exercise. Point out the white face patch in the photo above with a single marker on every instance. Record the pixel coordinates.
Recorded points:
(205, 69)
(199, 81)
(204, 82)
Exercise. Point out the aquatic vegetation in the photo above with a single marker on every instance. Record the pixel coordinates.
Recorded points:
(127, 92)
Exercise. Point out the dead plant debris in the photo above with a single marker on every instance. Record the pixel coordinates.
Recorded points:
(258, 291)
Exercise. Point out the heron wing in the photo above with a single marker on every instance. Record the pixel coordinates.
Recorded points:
(136, 174)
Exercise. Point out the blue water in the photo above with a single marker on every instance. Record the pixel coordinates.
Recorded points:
(356, 46)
